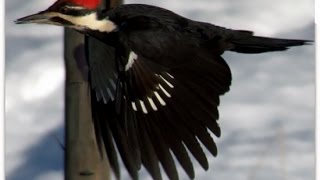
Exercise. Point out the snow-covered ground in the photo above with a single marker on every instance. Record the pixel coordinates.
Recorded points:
(267, 118)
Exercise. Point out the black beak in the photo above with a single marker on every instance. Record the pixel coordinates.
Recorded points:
(42, 17)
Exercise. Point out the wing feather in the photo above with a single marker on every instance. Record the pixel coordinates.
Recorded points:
(165, 104)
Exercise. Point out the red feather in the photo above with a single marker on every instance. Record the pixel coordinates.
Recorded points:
(90, 4)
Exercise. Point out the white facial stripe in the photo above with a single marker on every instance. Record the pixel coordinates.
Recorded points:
(132, 57)
(74, 7)
(88, 21)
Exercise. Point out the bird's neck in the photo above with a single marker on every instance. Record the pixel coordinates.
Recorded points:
(109, 38)
(93, 21)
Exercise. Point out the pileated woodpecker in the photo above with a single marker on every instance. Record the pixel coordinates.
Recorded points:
(158, 96)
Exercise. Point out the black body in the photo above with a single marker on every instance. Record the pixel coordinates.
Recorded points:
(184, 57)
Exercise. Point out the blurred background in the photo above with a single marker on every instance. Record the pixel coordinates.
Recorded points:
(267, 119)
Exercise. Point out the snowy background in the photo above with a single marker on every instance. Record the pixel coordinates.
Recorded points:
(267, 118)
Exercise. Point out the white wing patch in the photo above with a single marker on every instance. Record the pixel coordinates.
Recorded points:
(153, 105)
(162, 102)
(170, 75)
(164, 91)
(169, 84)
(157, 97)
(132, 57)
(144, 109)
(134, 107)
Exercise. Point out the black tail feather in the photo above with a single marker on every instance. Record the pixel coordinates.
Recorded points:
(258, 44)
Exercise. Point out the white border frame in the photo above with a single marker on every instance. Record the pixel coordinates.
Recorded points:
(2, 100)
(317, 46)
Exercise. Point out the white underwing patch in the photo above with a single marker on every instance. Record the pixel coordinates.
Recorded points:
(153, 105)
(164, 91)
(159, 89)
(132, 57)
(162, 102)
(143, 106)
(134, 107)
(170, 75)
(167, 82)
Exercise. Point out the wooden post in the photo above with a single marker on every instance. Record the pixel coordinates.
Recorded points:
(82, 158)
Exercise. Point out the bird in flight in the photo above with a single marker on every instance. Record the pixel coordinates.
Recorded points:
(156, 92)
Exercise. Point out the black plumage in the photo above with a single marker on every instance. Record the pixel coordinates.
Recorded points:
(180, 60)
(156, 79)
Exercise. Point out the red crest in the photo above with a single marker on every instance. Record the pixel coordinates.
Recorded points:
(89, 4)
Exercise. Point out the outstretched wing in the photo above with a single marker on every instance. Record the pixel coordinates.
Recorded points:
(165, 102)
(157, 93)
(172, 110)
